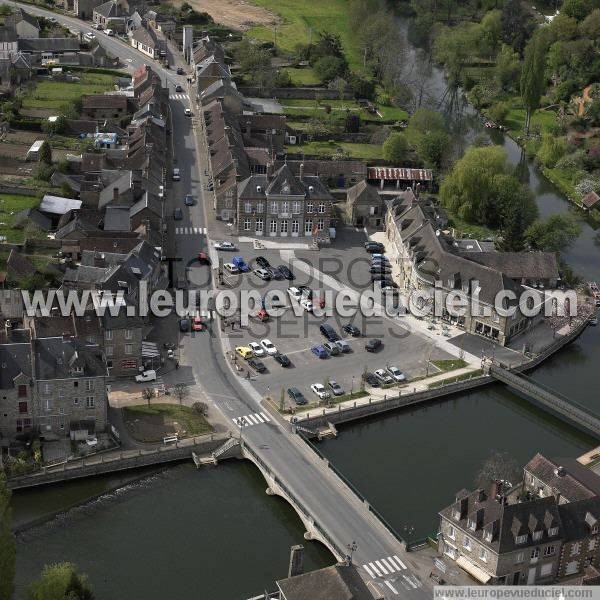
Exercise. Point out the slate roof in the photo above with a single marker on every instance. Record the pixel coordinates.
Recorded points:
(20, 15)
(14, 360)
(8, 34)
(36, 217)
(84, 274)
(18, 265)
(520, 265)
(49, 44)
(108, 9)
(56, 358)
(116, 218)
(58, 205)
(576, 482)
(363, 193)
(578, 517)
(146, 36)
(94, 101)
(505, 521)
(339, 582)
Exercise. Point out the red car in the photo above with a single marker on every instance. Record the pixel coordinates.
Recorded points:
(197, 324)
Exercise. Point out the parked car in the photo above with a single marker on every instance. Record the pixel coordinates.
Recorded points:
(283, 360)
(387, 283)
(109, 32)
(380, 268)
(274, 272)
(178, 88)
(383, 376)
(295, 294)
(187, 112)
(287, 274)
(335, 387)
(373, 243)
(169, 346)
(177, 214)
(297, 396)
(257, 349)
(197, 324)
(332, 348)
(329, 332)
(379, 256)
(351, 329)
(180, 71)
(257, 365)
(240, 263)
(373, 345)
(184, 324)
(244, 351)
(263, 274)
(176, 174)
(261, 261)
(373, 249)
(319, 390)
(378, 276)
(269, 347)
(307, 305)
(225, 246)
(171, 354)
(396, 373)
(189, 200)
(343, 345)
(146, 376)
(371, 379)
(231, 268)
(319, 351)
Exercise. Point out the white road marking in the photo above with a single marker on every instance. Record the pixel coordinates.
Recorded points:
(366, 568)
(381, 567)
(248, 420)
(411, 583)
(372, 565)
(402, 565)
(190, 230)
(392, 567)
(391, 587)
(262, 414)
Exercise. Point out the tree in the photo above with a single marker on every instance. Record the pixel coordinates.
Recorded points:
(424, 120)
(147, 394)
(507, 67)
(555, 234)
(562, 28)
(578, 9)
(551, 150)
(395, 148)
(533, 79)
(433, 147)
(180, 392)
(517, 25)
(590, 27)
(498, 467)
(201, 408)
(60, 582)
(45, 153)
(498, 112)
(328, 68)
(7, 542)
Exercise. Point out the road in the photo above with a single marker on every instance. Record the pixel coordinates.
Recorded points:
(338, 510)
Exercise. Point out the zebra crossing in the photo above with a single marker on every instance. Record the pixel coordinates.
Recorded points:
(179, 97)
(253, 419)
(389, 566)
(190, 230)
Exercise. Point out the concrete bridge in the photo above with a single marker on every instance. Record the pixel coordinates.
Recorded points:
(550, 400)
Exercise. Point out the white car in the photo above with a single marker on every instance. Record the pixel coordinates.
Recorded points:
(231, 268)
(176, 174)
(295, 294)
(307, 305)
(263, 274)
(396, 373)
(225, 246)
(319, 390)
(383, 376)
(188, 112)
(146, 376)
(257, 349)
(269, 347)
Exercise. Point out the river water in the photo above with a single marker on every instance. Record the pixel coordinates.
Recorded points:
(215, 534)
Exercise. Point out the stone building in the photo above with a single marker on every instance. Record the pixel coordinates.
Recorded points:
(123, 338)
(364, 207)
(282, 204)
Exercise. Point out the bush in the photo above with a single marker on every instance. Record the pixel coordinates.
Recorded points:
(498, 112)
(44, 172)
(395, 148)
(551, 150)
(328, 68)
(201, 408)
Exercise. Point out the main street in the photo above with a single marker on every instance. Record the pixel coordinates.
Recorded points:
(340, 513)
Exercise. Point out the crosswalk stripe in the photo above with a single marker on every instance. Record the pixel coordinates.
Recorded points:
(262, 414)
(383, 569)
(410, 582)
(257, 416)
(391, 587)
(366, 567)
(377, 572)
(402, 565)
(392, 567)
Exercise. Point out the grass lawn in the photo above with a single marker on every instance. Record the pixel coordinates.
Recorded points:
(9, 205)
(302, 77)
(151, 423)
(55, 94)
(515, 121)
(449, 365)
(306, 108)
(300, 18)
(327, 149)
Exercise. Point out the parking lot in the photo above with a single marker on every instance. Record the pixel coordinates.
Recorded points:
(295, 335)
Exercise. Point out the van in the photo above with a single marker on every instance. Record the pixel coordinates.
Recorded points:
(109, 32)
(146, 376)
(329, 332)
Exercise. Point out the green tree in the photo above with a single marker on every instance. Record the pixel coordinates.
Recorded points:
(517, 25)
(328, 68)
(533, 80)
(590, 27)
(395, 148)
(7, 542)
(555, 234)
(60, 582)
(424, 120)
(498, 112)
(578, 9)
(507, 67)
(45, 153)
(551, 150)
(562, 28)
(433, 147)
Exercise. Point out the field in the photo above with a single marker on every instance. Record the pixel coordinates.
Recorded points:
(306, 108)
(329, 148)
(55, 94)
(9, 205)
(303, 20)
(236, 14)
(302, 77)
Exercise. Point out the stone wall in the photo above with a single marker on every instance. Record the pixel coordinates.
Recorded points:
(301, 93)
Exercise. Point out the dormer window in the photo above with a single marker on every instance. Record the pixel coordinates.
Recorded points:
(457, 514)
(472, 524)
(537, 535)
(488, 535)
(594, 528)
(552, 531)
(521, 539)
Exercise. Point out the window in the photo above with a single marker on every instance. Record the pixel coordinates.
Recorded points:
(108, 335)
(247, 207)
(321, 224)
(260, 207)
(483, 554)
(247, 224)
(451, 532)
(284, 206)
(472, 524)
(109, 350)
(259, 225)
(48, 403)
(128, 334)
(467, 543)
(295, 226)
(128, 348)
(47, 388)
(552, 531)
(592, 545)
(450, 551)
(519, 558)
(274, 208)
(575, 548)
(296, 208)
(521, 539)
(549, 550)
(309, 207)
(75, 401)
(61, 394)
(308, 226)
(23, 407)
(26, 423)
(535, 553)
(537, 535)
(322, 207)
(572, 567)
(22, 391)
(273, 226)
(284, 226)
(89, 402)
(545, 569)
(89, 385)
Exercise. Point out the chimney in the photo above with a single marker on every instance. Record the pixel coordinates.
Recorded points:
(480, 495)
(296, 561)
(479, 518)
(270, 170)
(301, 170)
(115, 194)
(494, 489)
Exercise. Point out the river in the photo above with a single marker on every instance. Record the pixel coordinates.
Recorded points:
(215, 534)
